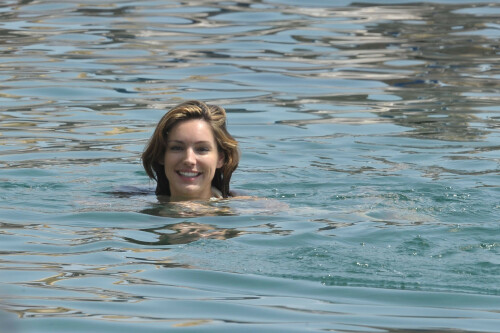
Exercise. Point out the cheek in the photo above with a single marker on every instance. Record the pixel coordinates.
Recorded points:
(168, 161)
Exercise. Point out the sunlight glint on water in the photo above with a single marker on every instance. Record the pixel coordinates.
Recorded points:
(369, 129)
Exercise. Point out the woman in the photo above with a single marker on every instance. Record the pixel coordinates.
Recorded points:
(191, 155)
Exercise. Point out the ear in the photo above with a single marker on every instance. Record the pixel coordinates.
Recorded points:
(220, 161)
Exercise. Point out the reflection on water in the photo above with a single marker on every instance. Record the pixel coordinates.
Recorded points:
(183, 233)
(369, 131)
(424, 73)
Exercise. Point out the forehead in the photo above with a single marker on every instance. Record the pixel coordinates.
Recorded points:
(193, 130)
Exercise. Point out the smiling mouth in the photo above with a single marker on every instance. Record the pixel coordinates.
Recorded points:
(188, 174)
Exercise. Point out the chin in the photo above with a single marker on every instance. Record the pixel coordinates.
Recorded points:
(193, 194)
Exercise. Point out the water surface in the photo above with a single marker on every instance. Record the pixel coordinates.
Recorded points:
(369, 130)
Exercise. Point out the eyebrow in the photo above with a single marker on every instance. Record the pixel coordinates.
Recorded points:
(182, 142)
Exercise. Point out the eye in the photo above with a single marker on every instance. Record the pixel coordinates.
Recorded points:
(175, 148)
(203, 150)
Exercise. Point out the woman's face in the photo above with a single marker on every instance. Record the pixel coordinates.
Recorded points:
(190, 160)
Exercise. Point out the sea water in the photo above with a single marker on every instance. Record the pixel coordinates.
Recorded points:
(369, 136)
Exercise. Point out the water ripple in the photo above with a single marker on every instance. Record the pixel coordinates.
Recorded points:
(368, 130)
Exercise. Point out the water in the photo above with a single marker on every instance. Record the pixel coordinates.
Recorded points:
(369, 129)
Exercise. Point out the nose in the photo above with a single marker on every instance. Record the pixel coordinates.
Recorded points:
(190, 156)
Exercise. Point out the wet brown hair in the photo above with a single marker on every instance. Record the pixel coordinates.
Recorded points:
(215, 116)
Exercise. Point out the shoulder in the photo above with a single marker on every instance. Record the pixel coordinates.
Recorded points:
(216, 193)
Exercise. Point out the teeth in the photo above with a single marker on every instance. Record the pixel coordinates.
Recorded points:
(188, 174)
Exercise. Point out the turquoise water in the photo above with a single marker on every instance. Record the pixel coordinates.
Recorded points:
(369, 130)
